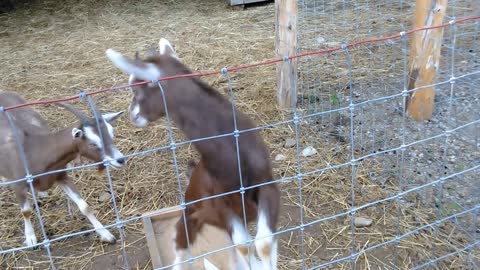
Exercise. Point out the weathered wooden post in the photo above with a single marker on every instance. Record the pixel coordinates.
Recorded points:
(425, 57)
(286, 44)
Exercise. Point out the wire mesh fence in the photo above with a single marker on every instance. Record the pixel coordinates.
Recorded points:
(417, 182)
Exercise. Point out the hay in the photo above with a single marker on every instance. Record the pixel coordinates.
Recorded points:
(51, 50)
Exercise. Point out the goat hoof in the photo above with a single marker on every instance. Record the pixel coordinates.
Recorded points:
(30, 242)
(108, 238)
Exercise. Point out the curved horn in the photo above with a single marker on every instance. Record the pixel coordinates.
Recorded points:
(81, 116)
(93, 106)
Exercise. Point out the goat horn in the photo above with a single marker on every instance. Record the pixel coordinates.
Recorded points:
(81, 116)
(96, 112)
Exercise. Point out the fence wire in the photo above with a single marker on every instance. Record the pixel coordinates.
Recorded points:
(324, 104)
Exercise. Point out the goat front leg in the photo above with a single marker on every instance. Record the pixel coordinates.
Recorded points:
(194, 225)
(266, 242)
(26, 209)
(241, 238)
(71, 191)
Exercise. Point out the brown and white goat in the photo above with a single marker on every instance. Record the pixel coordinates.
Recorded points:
(45, 151)
(200, 111)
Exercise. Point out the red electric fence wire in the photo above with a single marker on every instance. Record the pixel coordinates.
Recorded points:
(263, 63)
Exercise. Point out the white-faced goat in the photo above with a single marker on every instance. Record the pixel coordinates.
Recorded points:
(200, 111)
(45, 151)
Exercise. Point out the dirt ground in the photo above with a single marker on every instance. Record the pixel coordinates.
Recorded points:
(50, 50)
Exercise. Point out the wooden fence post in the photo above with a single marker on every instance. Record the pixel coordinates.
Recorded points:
(285, 44)
(425, 57)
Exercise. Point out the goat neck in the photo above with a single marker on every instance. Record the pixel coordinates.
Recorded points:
(53, 151)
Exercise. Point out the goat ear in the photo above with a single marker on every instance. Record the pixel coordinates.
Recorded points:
(166, 48)
(208, 265)
(111, 117)
(141, 70)
(77, 133)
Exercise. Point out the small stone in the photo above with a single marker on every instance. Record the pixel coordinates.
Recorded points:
(42, 194)
(279, 157)
(309, 151)
(290, 143)
(361, 222)
(320, 40)
(105, 196)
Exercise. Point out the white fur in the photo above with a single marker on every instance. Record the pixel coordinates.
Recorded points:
(147, 72)
(180, 256)
(105, 235)
(265, 238)
(240, 236)
(92, 136)
(208, 265)
(136, 118)
(30, 238)
(163, 45)
(95, 139)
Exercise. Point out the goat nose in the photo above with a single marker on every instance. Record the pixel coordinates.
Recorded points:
(121, 161)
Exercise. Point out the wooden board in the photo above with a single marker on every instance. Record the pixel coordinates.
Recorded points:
(160, 231)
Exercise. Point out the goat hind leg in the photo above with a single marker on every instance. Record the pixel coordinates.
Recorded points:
(71, 191)
(26, 209)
